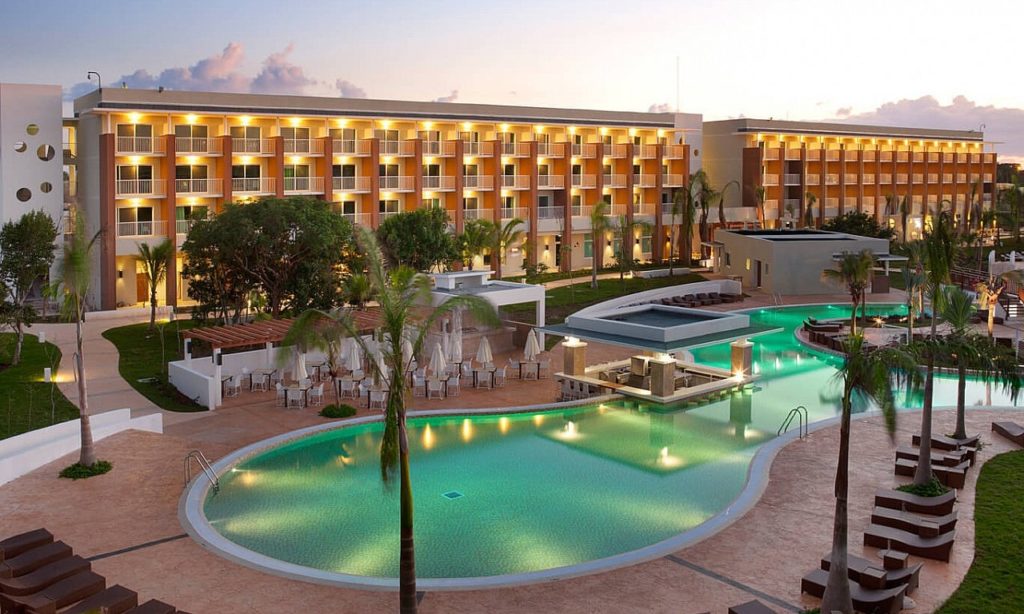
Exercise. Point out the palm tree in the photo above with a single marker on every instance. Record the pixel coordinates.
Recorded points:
(684, 206)
(721, 201)
(406, 312)
(599, 227)
(913, 281)
(904, 209)
(853, 270)
(625, 231)
(759, 198)
(864, 376)
(74, 276)
(506, 236)
(808, 220)
(705, 196)
(477, 236)
(1011, 208)
(357, 290)
(154, 262)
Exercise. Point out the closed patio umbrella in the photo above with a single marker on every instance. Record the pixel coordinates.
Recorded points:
(456, 350)
(353, 358)
(446, 340)
(437, 362)
(300, 366)
(406, 353)
(532, 347)
(483, 353)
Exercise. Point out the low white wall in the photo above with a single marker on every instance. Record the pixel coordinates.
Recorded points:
(715, 285)
(649, 273)
(192, 382)
(162, 311)
(29, 451)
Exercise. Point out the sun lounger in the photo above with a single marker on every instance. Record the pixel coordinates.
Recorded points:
(44, 576)
(879, 601)
(153, 607)
(56, 596)
(703, 298)
(948, 458)
(715, 298)
(23, 542)
(857, 566)
(751, 607)
(899, 500)
(114, 600)
(729, 297)
(954, 477)
(925, 526)
(35, 558)
(938, 548)
(948, 443)
(1010, 430)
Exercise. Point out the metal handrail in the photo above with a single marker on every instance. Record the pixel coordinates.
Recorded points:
(204, 464)
(803, 419)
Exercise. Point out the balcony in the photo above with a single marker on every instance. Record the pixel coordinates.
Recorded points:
(551, 150)
(791, 204)
(441, 149)
(584, 181)
(947, 178)
(832, 179)
(813, 155)
(512, 213)
(672, 180)
(901, 178)
(850, 203)
(850, 178)
(134, 145)
(550, 213)
(885, 156)
(917, 178)
(868, 178)
(615, 150)
(478, 182)
(201, 146)
(476, 148)
(868, 155)
(515, 182)
(352, 185)
(198, 187)
(793, 154)
(582, 211)
(811, 179)
(255, 147)
(645, 180)
(516, 150)
(643, 209)
(182, 227)
(303, 185)
(918, 156)
(398, 148)
(770, 180)
(399, 183)
(832, 155)
(961, 178)
(142, 229)
(771, 153)
(948, 158)
(794, 179)
(615, 181)
(852, 155)
(988, 178)
(303, 147)
(989, 158)
(933, 157)
(253, 186)
(584, 150)
(885, 179)
(478, 214)
(386, 214)
(550, 182)
(933, 177)
(645, 152)
(358, 219)
(444, 183)
(617, 210)
(902, 156)
(675, 152)
(350, 147)
(135, 188)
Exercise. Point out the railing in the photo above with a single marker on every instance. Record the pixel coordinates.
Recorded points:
(140, 145)
(182, 227)
(397, 148)
(672, 180)
(312, 147)
(918, 178)
(350, 147)
(933, 157)
(351, 184)
(360, 219)
(831, 179)
(975, 178)
(885, 156)
(989, 158)
(794, 179)
(551, 150)
(476, 148)
(556, 182)
(584, 150)
(645, 152)
(253, 185)
(516, 182)
(832, 155)
(674, 152)
(933, 177)
(615, 150)
(793, 154)
(443, 183)
(902, 156)
(139, 187)
(947, 178)
(443, 149)
(646, 209)
(813, 155)
(791, 203)
(478, 214)
(868, 178)
(617, 210)
(810, 179)
(584, 181)
(518, 150)
(478, 182)
(988, 178)
(868, 155)
(644, 180)
(885, 178)
(770, 180)
(948, 157)
(141, 229)
(771, 153)
(918, 156)
(251, 146)
(511, 213)
(582, 211)
(386, 214)
(198, 186)
(196, 145)
(398, 183)
(550, 213)
(800, 414)
(961, 178)
(869, 201)
(851, 155)
(304, 184)
(204, 464)
(614, 181)
(850, 203)
(849, 178)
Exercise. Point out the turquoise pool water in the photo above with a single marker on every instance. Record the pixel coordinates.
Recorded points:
(522, 493)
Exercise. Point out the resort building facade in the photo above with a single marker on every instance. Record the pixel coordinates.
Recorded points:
(150, 161)
(823, 170)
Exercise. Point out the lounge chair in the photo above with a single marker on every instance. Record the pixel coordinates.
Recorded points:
(880, 601)
(729, 297)
(948, 443)
(899, 500)
(44, 576)
(153, 607)
(1010, 430)
(703, 298)
(690, 300)
(114, 600)
(23, 542)
(938, 548)
(948, 458)
(715, 298)
(954, 477)
(909, 576)
(55, 596)
(27, 562)
(751, 607)
(915, 523)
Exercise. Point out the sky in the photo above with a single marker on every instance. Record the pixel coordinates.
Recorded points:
(937, 64)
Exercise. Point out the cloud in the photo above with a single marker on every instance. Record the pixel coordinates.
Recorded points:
(347, 89)
(844, 112)
(1002, 124)
(661, 107)
(279, 76)
(449, 98)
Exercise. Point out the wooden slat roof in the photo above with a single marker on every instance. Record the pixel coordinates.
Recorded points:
(264, 331)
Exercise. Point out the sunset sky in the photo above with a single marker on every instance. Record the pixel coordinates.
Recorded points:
(939, 63)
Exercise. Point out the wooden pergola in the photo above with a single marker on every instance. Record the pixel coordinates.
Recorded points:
(265, 331)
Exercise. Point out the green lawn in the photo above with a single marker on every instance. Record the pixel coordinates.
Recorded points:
(141, 357)
(995, 582)
(27, 402)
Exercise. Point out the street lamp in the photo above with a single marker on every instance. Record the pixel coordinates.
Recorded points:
(99, 80)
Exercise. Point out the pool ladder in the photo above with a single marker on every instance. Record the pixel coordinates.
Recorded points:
(800, 413)
(204, 464)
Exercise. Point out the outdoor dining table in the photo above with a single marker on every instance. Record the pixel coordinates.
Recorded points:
(316, 366)
(533, 364)
(305, 394)
(355, 382)
(264, 372)
(444, 384)
(490, 373)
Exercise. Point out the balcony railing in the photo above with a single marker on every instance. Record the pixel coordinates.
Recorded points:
(511, 213)
(615, 150)
(933, 157)
(444, 183)
(582, 211)
(868, 155)
(850, 178)
(933, 177)
(948, 157)
(516, 150)
(901, 178)
(397, 148)
(988, 178)
(139, 187)
(885, 179)
(242, 146)
(869, 178)
(644, 180)
(141, 229)
(550, 182)
(351, 184)
(832, 179)
(832, 155)
(386, 214)
(792, 179)
(476, 148)
(645, 152)
(584, 181)
(198, 186)
(902, 156)
(617, 210)
(810, 179)
(644, 209)
(850, 203)
(770, 180)
(771, 153)
(551, 150)
(674, 152)
(672, 180)
(478, 182)
(309, 147)
(947, 178)
(350, 147)
(918, 178)
(184, 145)
(516, 182)
(313, 185)
(478, 214)
(793, 154)
(182, 227)
(359, 219)
(813, 155)
(140, 145)
(442, 149)
(550, 213)
(584, 150)
(253, 185)
(885, 156)
(791, 204)
(399, 183)
(852, 155)
(614, 181)
(989, 158)
(918, 156)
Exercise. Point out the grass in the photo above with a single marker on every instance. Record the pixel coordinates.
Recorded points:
(27, 402)
(143, 358)
(78, 471)
(338, 411)
(566, 300)
(995, 582)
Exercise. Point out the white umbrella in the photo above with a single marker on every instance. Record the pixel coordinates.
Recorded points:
(483, 353)
(353, 356)
(456, 349)
(532, 347)
(406, 352)
(437, 362)
(446, 340)
(378, 358)
(300, 366)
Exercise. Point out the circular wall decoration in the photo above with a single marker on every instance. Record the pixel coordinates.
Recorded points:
(20, 146)
(45, 187)
(46, 152)
(23, 194)
(32, 129)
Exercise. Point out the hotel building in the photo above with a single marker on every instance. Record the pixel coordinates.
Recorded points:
(833, 168)
(149, 161)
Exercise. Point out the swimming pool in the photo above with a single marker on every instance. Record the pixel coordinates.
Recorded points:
(526, 494)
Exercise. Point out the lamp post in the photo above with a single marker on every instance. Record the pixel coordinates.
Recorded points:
(99, 80)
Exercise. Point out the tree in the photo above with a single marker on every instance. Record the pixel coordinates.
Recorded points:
(853, 270)
(758, 193)
(913, 281)
(74, 275)
(808, 220)
(405, 305)
(599, 227)
(865, 376)
(26, 255)
(904, 209)
(858, 223)
(154, 262)
(356, 288)
(721, 201)
(508, 235)
(418, 239)
(705, 196)
(624, 234)
(477, 236)
(1011, 208)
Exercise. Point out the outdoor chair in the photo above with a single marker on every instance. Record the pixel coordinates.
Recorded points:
(751, 607)
(358, 374)
(33, 559)
(953, 477)
(281, 397)
(377, 399)
(899, 500)
(925, 526)
(305, 382)
(938, 547)
(316, 395)
(908, 575)
(275, 376)
(57, 595)
(232, 387)
(419, 385)
(154, 606)
(46, 575)
(948, 443)
(434, 389)
(483, 378)
(566, 390)
(499, 378)
(544, 367)
(346, 389)
(467, 368)
(114, 599)
(529, 370)
(453, 386)
(1010, 430)
(294, 397)
(881, 601)
(513, 368)
(23, 542)
(259, 382)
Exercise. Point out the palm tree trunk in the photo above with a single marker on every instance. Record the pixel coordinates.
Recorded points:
(923, 474)
(17, 346)
(407, 557)
(853, 314)
(837, 589)
(961, 393)
(87, 455)
(152, 307)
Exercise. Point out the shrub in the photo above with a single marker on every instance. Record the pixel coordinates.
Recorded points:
(79, 471)
(338, 411)
(931, 489)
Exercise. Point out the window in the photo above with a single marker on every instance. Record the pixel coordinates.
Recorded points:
(432, 203)
(245, 171)
(348, 207)
(245, 139)
(135, 221)
(577, 204)
(470, 202)
(296, 177)
(607, 140)
(636, 169)
(508, 138)
(135, 179)
(470, 136)
(343, 134)
(577, 170)
(543, 169)
(389, 206)
(190, 178)
(509, 169)
(508, 207)
(431, 170)
(638, 141)
(343, 170)
(385, 135)
(588, 245)
(607, 169)
(542, 138)
(190, 138)
(470, 170)
(645, 244)
(296, 140)
(431, 136)
(185, 216)
(728, 260)
(616, 247)
(388, 170)
(134, 131)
